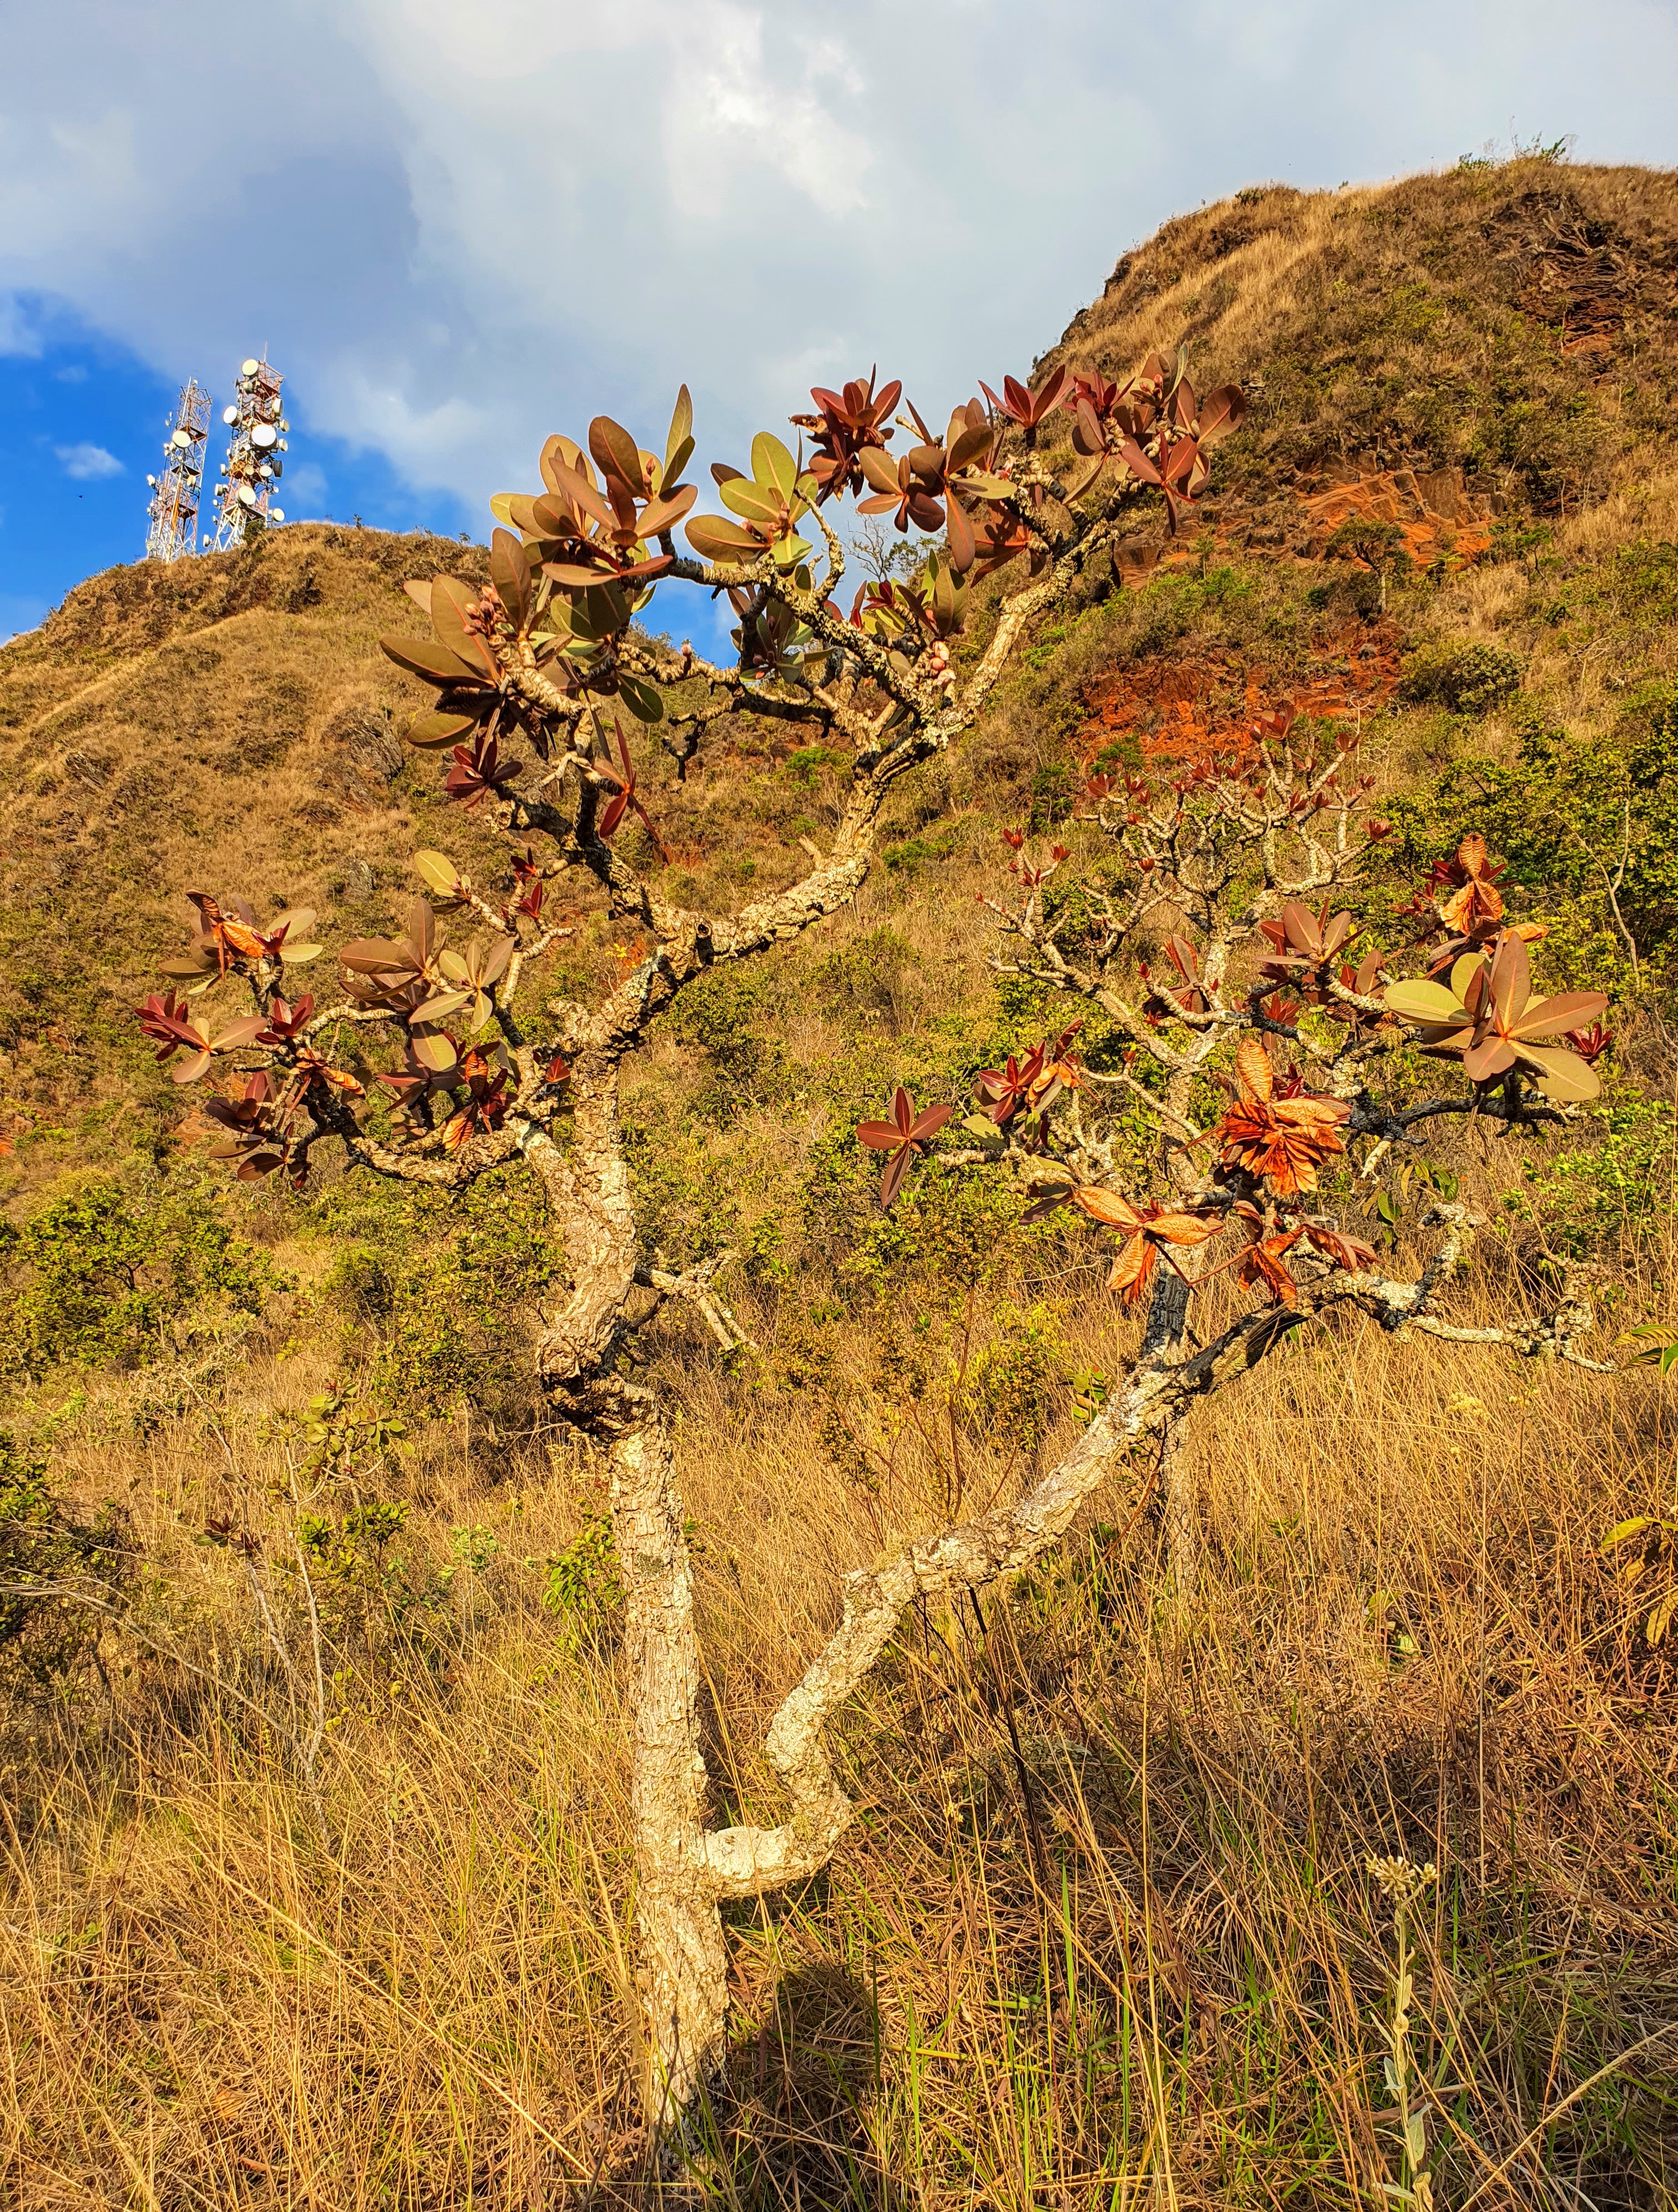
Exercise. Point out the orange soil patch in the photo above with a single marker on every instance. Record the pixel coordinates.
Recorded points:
(1438, 517)
(1187, 710)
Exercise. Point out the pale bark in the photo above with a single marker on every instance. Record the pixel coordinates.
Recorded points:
(685, 1961)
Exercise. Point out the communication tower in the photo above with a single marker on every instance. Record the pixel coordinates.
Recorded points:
(253, 464)
(172, 516)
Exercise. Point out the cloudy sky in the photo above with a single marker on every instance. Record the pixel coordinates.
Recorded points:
(459, 226)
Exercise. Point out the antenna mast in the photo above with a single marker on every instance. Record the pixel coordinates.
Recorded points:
(253, 464)
(172, 516)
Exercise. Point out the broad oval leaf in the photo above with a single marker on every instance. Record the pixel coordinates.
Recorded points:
(714, 539)
(440, 727)
(241, 1032)
(1562, 1075)
(772, 463)
(642, 700)
(1106, 1206)
(664, 514)
(435, 1052)
(440, 873)
(432, 662)
(757, 502)
(616, 452)
(1570, 1011)
(376, 956)
(509, 571)
(1418, 1000)
(964, 546)
(879, 1136)
(678, 446)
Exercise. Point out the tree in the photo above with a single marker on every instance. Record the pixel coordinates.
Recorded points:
(550, 654)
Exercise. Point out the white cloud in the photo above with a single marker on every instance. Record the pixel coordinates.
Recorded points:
(461, 228)
(89, 464)
(19, 334)
(307, 489)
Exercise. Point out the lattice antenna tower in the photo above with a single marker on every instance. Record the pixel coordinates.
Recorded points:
(253, 464)
(172, 516)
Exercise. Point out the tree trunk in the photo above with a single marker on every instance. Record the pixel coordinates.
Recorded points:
(684, 1962)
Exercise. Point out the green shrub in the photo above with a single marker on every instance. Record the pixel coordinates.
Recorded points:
(105, 1272)
(915, 853)
(718, 1016)
(879, 977)
(375, 1613)
(446, 1282)
(1467, 679)
(1570, 816)
(46, 1548)
(806, 765)
(582, 1587)
(1011, 1385)
(1620, 1185)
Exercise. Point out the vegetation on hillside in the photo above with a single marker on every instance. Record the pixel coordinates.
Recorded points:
(311, 1863)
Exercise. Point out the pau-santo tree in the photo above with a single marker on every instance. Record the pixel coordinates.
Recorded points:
(547, 686)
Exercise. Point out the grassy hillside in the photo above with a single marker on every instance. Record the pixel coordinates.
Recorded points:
(1105, 1934)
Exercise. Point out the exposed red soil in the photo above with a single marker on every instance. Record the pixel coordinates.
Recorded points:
(1173, 710)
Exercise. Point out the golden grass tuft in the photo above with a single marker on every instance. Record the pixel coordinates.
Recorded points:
(1101, 1935)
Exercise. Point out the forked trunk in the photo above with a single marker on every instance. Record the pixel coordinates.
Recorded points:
(682, 1962)
(683, 1959)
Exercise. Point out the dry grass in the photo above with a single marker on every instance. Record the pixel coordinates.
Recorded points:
(1137, 1962)
(1103, 1935)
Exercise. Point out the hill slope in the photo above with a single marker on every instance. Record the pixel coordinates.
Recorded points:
(1452, 519)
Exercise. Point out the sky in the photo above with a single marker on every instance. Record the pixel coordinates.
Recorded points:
(457, 228)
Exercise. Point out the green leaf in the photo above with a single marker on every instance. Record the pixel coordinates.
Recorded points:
(716, 540)
(678, 446)
(772, 463)
(1422, 1001)
(440, 873)
(642, 700)
(757, 503)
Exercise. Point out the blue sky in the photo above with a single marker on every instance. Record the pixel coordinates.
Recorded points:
(82, 423)
(459, 227)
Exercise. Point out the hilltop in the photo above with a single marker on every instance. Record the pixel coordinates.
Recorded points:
(1450, 524)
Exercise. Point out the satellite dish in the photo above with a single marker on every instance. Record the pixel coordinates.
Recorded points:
(180, 438)
(246, 496)
(263, 468)
(264, 436)
(249, 368)
(152, 481)
(284, 448)
(229, 414)
(276, 514)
